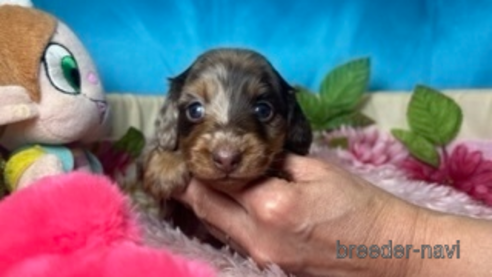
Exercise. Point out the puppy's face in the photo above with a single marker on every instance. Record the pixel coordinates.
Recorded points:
(234, 115)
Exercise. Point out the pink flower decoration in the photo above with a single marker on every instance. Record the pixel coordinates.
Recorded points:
(113, 160)
(367, 146)
(464, 170)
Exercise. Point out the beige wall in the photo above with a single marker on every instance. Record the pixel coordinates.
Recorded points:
(388, 109)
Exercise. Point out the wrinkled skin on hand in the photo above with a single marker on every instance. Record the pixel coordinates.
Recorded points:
(297, 224)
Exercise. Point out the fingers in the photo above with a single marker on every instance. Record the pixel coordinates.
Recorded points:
(237, 214)
(272, 191)
(305, 169)
(225, 215)
(265, 192)
(209, 203)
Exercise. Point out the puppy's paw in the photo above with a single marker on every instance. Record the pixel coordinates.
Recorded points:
(165, 173)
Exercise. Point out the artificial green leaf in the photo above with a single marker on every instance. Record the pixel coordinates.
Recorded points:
(418, 146)
(334, 111)
(132, 142)
(312, 106)
(360, 120)
(434, 115)
(354, 119)
(318, 126)
(338, 143)
(345, 85)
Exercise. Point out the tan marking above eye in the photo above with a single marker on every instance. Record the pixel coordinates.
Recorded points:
(255, 87)
(197, 89)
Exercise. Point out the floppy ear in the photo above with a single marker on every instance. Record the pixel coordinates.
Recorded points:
(167, 122)
(299, 133)
(16, 105)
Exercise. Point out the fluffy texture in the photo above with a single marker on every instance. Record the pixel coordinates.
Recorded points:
(388, 177)
(432, 195)
(464, 165)
(80, 225)
(47, 81)
(20, 53)
(227, 119)
(460, 167)
(105, 236)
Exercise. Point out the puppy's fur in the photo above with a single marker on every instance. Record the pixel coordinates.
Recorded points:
(237, 139)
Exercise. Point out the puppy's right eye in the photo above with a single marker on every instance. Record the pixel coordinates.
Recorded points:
(195, 111)
(263, 111)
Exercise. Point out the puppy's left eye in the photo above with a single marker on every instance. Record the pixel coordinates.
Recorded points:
(195, 111)
(263, 110)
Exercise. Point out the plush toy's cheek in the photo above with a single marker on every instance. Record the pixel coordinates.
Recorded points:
(92, 78)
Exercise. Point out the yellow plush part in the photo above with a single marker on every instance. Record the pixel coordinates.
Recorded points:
(18, 164)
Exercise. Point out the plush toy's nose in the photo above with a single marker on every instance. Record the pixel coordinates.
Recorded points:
(102, 107)
(226, 159)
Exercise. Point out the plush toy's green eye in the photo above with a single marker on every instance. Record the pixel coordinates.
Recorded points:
(62, 69)
(71, 71)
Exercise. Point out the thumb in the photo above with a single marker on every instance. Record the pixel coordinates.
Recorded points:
(305, 169)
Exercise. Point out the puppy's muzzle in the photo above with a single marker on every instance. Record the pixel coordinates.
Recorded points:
(226, 158)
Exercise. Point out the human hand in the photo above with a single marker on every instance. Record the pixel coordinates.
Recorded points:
(297, 224)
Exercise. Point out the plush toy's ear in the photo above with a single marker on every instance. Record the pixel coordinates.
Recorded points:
(23, 3)
(16, 105)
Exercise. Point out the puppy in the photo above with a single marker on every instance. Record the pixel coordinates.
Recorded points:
(227, 120)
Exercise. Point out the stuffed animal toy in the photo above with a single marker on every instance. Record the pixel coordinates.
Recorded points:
(51, 99)
(58, 226)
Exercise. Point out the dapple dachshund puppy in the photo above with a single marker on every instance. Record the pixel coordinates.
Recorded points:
(227, 121)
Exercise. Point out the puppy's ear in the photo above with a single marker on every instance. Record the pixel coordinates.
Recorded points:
(299, 133)
(164, 170)
(167, 122)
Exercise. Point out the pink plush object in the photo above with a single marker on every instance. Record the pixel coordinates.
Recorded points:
(79, 224)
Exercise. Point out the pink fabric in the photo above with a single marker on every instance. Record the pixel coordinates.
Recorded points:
(462, 168)
(79, 224)
(466, 165)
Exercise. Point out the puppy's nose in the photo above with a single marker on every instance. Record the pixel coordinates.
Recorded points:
(226, 159)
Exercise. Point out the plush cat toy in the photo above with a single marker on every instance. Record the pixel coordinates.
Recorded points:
(51, 98)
